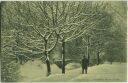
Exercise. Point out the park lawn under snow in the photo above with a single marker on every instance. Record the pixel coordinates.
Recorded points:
(36, 71)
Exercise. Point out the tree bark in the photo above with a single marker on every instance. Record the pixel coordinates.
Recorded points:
(88, 55)
(47, 58)
(88, 50)
(98, 58)
(120, 60)
(48, 65)
(63, 57)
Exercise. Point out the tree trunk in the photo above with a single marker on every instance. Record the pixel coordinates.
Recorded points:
(17, 58)
(88, 55)
(98, 59)
(120, 60)
(88, 50)
(63, 57)
(48, 65)
(21, 60)
(47, 58)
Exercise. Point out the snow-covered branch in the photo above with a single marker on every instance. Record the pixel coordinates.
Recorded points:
(33, 26)
(49, 50)
(82, 31)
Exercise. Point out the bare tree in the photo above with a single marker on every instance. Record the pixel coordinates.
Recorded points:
(75, 22)
(31, 33)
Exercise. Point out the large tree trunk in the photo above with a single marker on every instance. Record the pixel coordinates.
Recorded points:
(88, 55)
(88, 50)
(47, 58)
(98, 58)
(48, 65)
(63, 57)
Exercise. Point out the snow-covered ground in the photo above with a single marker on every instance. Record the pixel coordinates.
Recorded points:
(36, 71)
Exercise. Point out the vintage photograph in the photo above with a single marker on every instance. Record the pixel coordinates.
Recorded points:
(63, 41)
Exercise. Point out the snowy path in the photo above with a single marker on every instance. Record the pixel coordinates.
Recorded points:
(36, 71)
(105, 72)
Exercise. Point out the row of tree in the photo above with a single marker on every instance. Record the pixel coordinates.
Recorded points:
(71, 29)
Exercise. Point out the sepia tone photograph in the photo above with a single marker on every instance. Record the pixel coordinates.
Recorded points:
(63, 41)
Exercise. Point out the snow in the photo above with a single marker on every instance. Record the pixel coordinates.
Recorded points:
(32, 69)
(36, 72)
(71, 66)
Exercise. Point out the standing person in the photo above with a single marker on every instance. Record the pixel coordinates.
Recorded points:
(84, 65)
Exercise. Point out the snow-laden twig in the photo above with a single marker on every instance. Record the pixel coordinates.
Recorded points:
(82, 32)
(31, 47)
(49, 50)
(33, 26)
(6, 36)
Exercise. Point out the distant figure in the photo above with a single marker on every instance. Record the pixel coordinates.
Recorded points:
(84, 65)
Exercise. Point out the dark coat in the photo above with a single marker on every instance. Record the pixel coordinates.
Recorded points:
(84, 63)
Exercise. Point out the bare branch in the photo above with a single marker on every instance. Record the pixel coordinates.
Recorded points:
(50, 35)
(82, 32)
(32, 27)
(53, 45)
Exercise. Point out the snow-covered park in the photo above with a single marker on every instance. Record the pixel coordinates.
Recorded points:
(35, 71)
